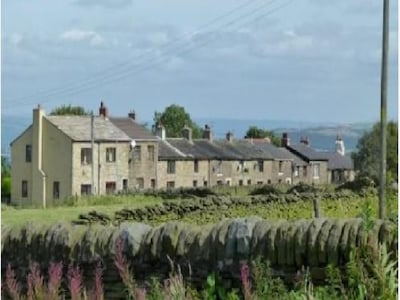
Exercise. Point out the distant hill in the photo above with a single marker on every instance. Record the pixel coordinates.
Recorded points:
(322, 136)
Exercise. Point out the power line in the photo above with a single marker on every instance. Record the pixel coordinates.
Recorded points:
(131, 71)
(124, 64)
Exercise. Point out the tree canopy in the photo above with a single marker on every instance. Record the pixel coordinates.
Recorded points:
(5, 177)
(366, 158)
(259, 133)
(69, 110)
(174, 118)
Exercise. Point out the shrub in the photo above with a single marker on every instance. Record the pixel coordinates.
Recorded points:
(302, 187)
(265, 190)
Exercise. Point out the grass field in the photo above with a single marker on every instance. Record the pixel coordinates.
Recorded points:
(70, 210)
(342, 208)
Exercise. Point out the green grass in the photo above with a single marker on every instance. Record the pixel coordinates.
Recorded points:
(342, 208)
(70, 209)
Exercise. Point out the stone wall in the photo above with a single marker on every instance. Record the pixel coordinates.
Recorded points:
(198, 250)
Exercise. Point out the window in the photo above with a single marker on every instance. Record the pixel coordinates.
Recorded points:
(171, 167)
(170, 184)
(150, 153)
(194, 183)
(110, 187)
(240, 182)
(153, 183)
(304, 171)
(56, 190)
(111, 154)
(196, 166)
(316, 170)
(86, 189)
(297, 171)
(28, 153)
(205, 183)
(137, 153)
(228, 182)
(261, 166)
(280, 166)
(269, 181)
(125, 184)
(259, 182)
(86, 156)
(24, 188)
(249, 182)
(140, 183)
(219, 182)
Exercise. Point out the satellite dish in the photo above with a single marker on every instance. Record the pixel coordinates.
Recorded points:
(133, 143)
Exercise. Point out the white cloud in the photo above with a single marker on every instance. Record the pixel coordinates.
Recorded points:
(158, 38)
(78, 35)
(16, 39)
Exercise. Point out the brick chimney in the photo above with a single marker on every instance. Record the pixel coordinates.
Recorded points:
(305, 141)
(103, 110)
(285, 141)
(229, 136)
(187, 133)
(160, 131)
(132, 115)
(207, 133)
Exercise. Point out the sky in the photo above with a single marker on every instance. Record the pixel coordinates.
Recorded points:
(298, 60)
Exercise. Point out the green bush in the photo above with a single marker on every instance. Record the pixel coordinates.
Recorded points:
(265, 190)
(6, 186)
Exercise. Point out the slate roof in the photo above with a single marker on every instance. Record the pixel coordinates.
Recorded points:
(181, 148)
(297, 160)
(274, 151)
(244, 149)
(337, 161)
(133, 129)
(78, 128)
(167, 151)
(306, 152)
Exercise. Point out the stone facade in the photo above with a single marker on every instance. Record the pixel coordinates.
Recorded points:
(182, 173)
(143, 165)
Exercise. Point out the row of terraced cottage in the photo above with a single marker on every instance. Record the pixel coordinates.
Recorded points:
(61, 156)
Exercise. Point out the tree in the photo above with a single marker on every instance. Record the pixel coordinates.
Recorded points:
(174, 118)
(259, 133)
(69, 110)
(5, 177)
(366, 158)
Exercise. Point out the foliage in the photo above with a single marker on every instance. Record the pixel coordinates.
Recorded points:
(5, 177)
(69, 110)
(259, 133)
(302, 187)
(266, 189)
(360, 183)
(367, 157)
(5, 167)
(174, 118)
(5, 186)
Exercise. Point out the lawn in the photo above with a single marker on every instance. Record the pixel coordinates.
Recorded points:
(70, 210)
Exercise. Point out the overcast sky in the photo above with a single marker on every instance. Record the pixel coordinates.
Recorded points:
(315, 60)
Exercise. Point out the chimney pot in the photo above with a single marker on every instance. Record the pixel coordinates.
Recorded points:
(207, 133)
(103, 111)
(187, 133)
(229, 136)
(132, 115)
(285, 141)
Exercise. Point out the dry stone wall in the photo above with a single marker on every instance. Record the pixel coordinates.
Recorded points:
(198, 250)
